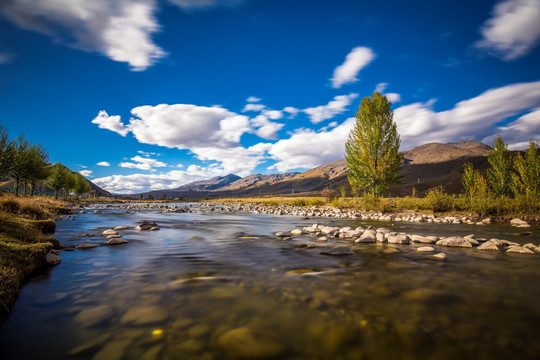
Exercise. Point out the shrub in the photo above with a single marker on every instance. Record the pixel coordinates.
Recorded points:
(299, 202)
(329, 194)
(438, 201)
(315, 202)
(370, 202)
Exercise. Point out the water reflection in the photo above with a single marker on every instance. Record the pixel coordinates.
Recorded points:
(221, 286)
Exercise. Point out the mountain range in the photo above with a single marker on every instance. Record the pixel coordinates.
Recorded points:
(424, 167)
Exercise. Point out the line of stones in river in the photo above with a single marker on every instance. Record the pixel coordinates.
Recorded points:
(382, 235)
(356, 214)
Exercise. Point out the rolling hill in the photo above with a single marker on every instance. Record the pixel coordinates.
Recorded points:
(424, 167)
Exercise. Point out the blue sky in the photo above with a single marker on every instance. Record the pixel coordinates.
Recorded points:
(152, 94)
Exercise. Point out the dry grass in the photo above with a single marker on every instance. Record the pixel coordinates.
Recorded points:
(23, 247)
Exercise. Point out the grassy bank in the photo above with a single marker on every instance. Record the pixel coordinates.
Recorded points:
(24, 225)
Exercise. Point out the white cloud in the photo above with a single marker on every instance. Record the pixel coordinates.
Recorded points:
(147, 154)
(519, 132)
(185, 126)
(513, 30)
(392, 97)
(253, 107)
(142, 163)
(273, 114)
(265, 128)
(103, 163)
(85, 173)
(112, 123)
(236, 160)
(253, 99)
(307, 148)
(356, 60)
(333, 108)
(473, 119)
(118, 29)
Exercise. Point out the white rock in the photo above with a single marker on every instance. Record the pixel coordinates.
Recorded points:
(297, 232)
(109, 232)
(519, 250)
(516, 222)
(424, 239)
(121, 227)
(425, 249)
(400, 238)
(439, 256)
(454, 241)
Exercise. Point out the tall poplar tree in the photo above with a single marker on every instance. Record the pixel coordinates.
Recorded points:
(526, 177)
(372, 150)
(500, 174)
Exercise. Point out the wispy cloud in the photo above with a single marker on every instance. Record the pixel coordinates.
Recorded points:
(103, 163)
(307, 148)
(200, 4)
(142, 163)
(355, 61)
(335, 107)
(472, 119)
(6, 58)
(253, 99)
(85, 173)
(513, 30)
(392, 97)
(118, 29)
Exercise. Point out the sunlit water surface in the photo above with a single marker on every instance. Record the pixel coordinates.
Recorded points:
(209, 285)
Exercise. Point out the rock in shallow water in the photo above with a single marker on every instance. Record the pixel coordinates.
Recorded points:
(94, 316)
(338, 251)
(425, 249)
(52, 259)
(455, 241)
(144, 315)
(247, 343)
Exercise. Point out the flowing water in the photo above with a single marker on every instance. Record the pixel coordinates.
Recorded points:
(220, 286)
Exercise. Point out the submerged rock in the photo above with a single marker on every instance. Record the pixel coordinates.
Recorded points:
(86, 246)
(144, 315)
(116, 241)
(338, 251)
(247, 343)
(94, 316)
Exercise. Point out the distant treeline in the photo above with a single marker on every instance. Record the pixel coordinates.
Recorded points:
(28, 164)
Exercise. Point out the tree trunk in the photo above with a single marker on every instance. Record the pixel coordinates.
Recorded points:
(17, 187)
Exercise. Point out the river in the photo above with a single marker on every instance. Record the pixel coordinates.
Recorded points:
(211, 285)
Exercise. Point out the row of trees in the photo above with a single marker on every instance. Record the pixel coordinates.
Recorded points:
(373, 158)
(28, 164)
(508, 176)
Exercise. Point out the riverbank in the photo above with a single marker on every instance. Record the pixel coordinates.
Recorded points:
(439, 204)
(337, 212)
(25, 247)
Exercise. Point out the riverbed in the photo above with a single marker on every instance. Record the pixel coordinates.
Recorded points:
(211, 285)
